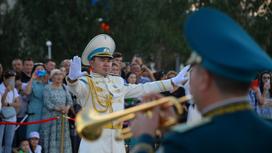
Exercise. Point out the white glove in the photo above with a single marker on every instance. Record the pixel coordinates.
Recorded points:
(75, 68)
(181, 78)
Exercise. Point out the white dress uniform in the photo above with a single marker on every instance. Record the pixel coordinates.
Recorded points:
(108, 96)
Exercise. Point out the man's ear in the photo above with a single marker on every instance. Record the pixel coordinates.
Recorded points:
(205, 80)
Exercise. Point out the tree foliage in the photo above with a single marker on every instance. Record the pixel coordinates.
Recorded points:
(150, 28)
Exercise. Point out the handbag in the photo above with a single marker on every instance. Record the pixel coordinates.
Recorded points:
(8, 112)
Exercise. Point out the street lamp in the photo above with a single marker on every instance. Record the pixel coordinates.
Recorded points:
(49, 44)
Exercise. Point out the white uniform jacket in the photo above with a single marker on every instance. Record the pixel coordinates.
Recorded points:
(114, 88)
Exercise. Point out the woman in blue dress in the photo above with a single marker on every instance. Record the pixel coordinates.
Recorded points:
(34, 90)
(57, 101)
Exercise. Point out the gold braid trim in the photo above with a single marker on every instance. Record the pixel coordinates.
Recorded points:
(229, 109)
(143, 147)
(106, 105)
(163, 86)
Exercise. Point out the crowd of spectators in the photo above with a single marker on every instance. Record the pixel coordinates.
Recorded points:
(31, 91)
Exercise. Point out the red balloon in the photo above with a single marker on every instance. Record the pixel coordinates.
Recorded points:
(105, 27)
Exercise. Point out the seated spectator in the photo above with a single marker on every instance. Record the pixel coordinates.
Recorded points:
(34, 138)
(24, 147)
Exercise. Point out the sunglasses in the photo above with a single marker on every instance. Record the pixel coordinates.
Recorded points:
(266, 77)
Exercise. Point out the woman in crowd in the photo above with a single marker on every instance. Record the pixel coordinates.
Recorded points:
(9, 103)
(146, 72)
(35, 89)
(57, 102)
(131, 78)
(264, 94)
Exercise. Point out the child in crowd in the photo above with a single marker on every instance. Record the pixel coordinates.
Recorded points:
(34, 138)
(24, 147)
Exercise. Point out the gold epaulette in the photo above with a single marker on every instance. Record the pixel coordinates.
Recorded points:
(189, 126)
(267, 118)
(142, 147)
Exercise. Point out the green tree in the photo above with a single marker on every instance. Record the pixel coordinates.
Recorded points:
(151, 28)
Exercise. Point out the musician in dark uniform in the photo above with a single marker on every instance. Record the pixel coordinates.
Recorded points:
(226, 60)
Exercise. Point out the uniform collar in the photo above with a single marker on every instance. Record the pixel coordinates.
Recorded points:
(227, 106)
(96, 75)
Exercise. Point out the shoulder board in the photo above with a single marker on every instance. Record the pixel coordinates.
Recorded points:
(116, 77)
(84, 80)
(113, 75)
(189, 126)
(267, 119)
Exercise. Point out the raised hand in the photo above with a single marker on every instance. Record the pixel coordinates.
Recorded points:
(75, 68)
(181, 78)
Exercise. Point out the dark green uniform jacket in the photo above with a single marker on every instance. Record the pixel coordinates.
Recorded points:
(232, 128)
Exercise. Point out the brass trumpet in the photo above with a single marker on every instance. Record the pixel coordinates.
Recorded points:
(89, 125)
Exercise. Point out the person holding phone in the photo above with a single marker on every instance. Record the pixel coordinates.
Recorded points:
(10, 102)
(264, 94)
(34, 90)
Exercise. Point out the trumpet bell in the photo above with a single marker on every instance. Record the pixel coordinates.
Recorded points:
(89, 125)
(84, 128)
(89, 133)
